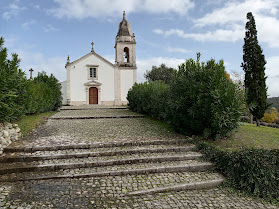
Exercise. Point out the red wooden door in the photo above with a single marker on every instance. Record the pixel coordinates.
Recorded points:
(93, 95)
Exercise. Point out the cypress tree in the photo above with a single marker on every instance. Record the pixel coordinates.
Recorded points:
(254, 67)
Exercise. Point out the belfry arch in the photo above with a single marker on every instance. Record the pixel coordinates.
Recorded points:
(126, 55)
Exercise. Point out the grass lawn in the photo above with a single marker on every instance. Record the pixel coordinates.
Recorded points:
(251, 136)
(29, 122)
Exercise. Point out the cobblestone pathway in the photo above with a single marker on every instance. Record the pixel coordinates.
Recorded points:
(107, 157)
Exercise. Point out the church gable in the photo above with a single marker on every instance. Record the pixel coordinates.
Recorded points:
(87, 56)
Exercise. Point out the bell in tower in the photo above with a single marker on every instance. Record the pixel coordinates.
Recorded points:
(125, 45)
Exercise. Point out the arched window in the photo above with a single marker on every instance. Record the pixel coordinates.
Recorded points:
(126, 54)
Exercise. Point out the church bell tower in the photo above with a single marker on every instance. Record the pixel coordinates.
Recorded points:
(125, 45)
(125, 61)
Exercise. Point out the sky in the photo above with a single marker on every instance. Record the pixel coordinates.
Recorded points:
(44, 32)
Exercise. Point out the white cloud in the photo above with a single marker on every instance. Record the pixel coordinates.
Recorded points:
(235, 11)
(158, 31)
(146, 64)
(230, 23)
(26, 25)
(229, 35)
(12, 10)
(50, 28)
(39, 62)
(268, 30)
(273, 76)
(36, 6)
(179, 50)
(10, 42)
(164, 6)
(108, 8)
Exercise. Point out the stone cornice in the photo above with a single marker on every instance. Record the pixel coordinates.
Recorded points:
(127, 68)
(93, 83)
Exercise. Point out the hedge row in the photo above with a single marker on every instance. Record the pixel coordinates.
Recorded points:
(199, 100)
(149, 98)
(255, 171)
(43, 94)
(20, 96)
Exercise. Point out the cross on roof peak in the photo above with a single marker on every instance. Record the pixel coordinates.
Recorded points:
(92, 50)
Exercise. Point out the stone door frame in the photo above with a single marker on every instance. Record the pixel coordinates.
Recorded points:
(96, 85)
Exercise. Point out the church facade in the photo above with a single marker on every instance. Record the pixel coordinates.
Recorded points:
(92, 79)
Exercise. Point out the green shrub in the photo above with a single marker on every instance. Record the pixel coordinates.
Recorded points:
(255, 171)
(12, 82)
(53, 95)
(19, 96)
(43, 94)
(149, 98)
(203, 101)
(200, 99)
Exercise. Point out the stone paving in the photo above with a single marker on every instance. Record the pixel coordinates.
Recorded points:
(111, 191)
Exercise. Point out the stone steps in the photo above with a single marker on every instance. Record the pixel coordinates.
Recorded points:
(102, 160)
(144, 171)
(121, 144)
(208, 184)
(100, 170)
(92, 107)
(72, 154)
(93, 117)
(96, 114)
(102, 108)
(66, 164)
(105, 151)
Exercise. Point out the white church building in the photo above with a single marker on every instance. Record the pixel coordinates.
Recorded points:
(92, 79)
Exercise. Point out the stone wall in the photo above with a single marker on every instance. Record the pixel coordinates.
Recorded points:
(8, 134)
(272, 125)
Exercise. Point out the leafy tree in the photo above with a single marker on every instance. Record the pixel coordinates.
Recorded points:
(161, 73)
(12, 83)
(274, 101)
(254, 68)
(271, 116)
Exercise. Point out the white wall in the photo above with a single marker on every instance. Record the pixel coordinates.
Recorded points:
(126, 78)
(79, 76)
(64, 92)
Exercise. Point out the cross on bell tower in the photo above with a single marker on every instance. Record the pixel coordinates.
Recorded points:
(31, 70)
(124, 15)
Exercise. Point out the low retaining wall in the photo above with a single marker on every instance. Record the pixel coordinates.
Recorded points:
(272, 125)
(8, 134)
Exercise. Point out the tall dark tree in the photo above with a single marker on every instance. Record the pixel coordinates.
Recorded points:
(161, 73)
(254, 68)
